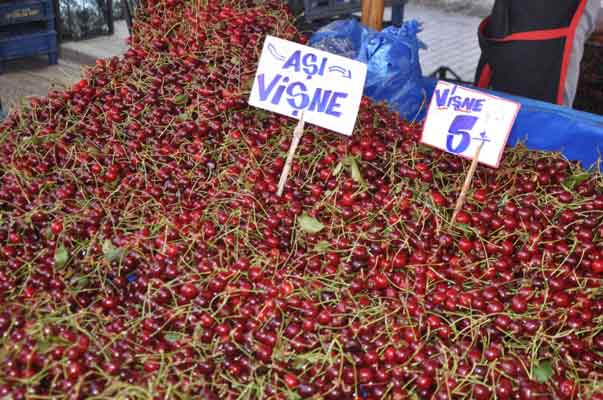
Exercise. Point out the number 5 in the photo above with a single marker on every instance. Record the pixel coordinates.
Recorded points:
(461, 125)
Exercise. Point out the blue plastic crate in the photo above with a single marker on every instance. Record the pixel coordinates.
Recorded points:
(29, 44)
(322, 9)
(18, 12)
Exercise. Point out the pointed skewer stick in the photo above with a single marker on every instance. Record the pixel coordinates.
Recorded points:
(467, 185)
(297, 135)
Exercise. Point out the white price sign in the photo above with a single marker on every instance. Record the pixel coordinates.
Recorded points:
(292, 78)
(459, 120)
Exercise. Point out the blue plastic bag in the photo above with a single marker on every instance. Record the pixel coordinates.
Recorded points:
(344, 38)
(392, 57)
(394, 70)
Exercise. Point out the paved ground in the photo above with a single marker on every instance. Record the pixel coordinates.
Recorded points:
(479, 8)
(451, 37)
(34, 77)
(88, 51)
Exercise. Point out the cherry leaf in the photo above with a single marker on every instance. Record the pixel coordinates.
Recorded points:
(543, 371)
(322, 247)
(572, 181)
(172, 336)
(310, 224)
(61, 256)
(181, 99)
(356, 174)
(111, 252)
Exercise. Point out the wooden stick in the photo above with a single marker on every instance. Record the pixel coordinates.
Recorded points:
(366, 9)
(461, 200)
(372, 13)
(297, 135)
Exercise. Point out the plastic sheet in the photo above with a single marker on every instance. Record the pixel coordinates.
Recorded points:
(392, 57)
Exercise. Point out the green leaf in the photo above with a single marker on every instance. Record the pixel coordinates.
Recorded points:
(172, 336)
(111, 252)
(322, 247)
(543, 371)
(338, 168)
(572, 181)
(80, 281)
(309, 224)
(180, 99)
(61, 256)
(356, 174)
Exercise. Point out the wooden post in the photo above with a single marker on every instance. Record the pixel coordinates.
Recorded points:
(372, 13)
(110, 21)
(58, 25)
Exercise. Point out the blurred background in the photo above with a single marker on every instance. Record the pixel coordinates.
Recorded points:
(45, 43)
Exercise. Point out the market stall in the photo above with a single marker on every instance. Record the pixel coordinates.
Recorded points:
(146, 253)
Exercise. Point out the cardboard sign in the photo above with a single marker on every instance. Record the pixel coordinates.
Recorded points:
(292, 78)
(460, 119)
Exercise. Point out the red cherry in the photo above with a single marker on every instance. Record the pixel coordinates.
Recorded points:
(74, 370)
(597, 266)
(189, 291)
(424, 381)
(480, 195)
(400, 260)
(519, 304)
(481, 392)
(56, 227)
(504, 389)
(438, 198)
(347, 199)
(465, 245)
(291, 381)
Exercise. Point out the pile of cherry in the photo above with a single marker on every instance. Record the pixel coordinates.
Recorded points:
(145, 254)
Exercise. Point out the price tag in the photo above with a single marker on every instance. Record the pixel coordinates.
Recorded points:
(459, 120)
(292, 78)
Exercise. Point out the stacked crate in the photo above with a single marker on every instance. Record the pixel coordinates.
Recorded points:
(27, 29)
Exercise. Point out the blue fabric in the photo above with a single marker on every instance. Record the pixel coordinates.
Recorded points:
(549, 127)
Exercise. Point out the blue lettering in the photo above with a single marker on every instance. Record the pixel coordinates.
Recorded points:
(279, 92)
(455, 101)
(265, 91)
(468, 104)
(479, 105)
(321, 71)
(310, 66)
(305, 99)
(320, 100)
(294, 61)
(462, 125)
(333, 104)
(441, 97)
